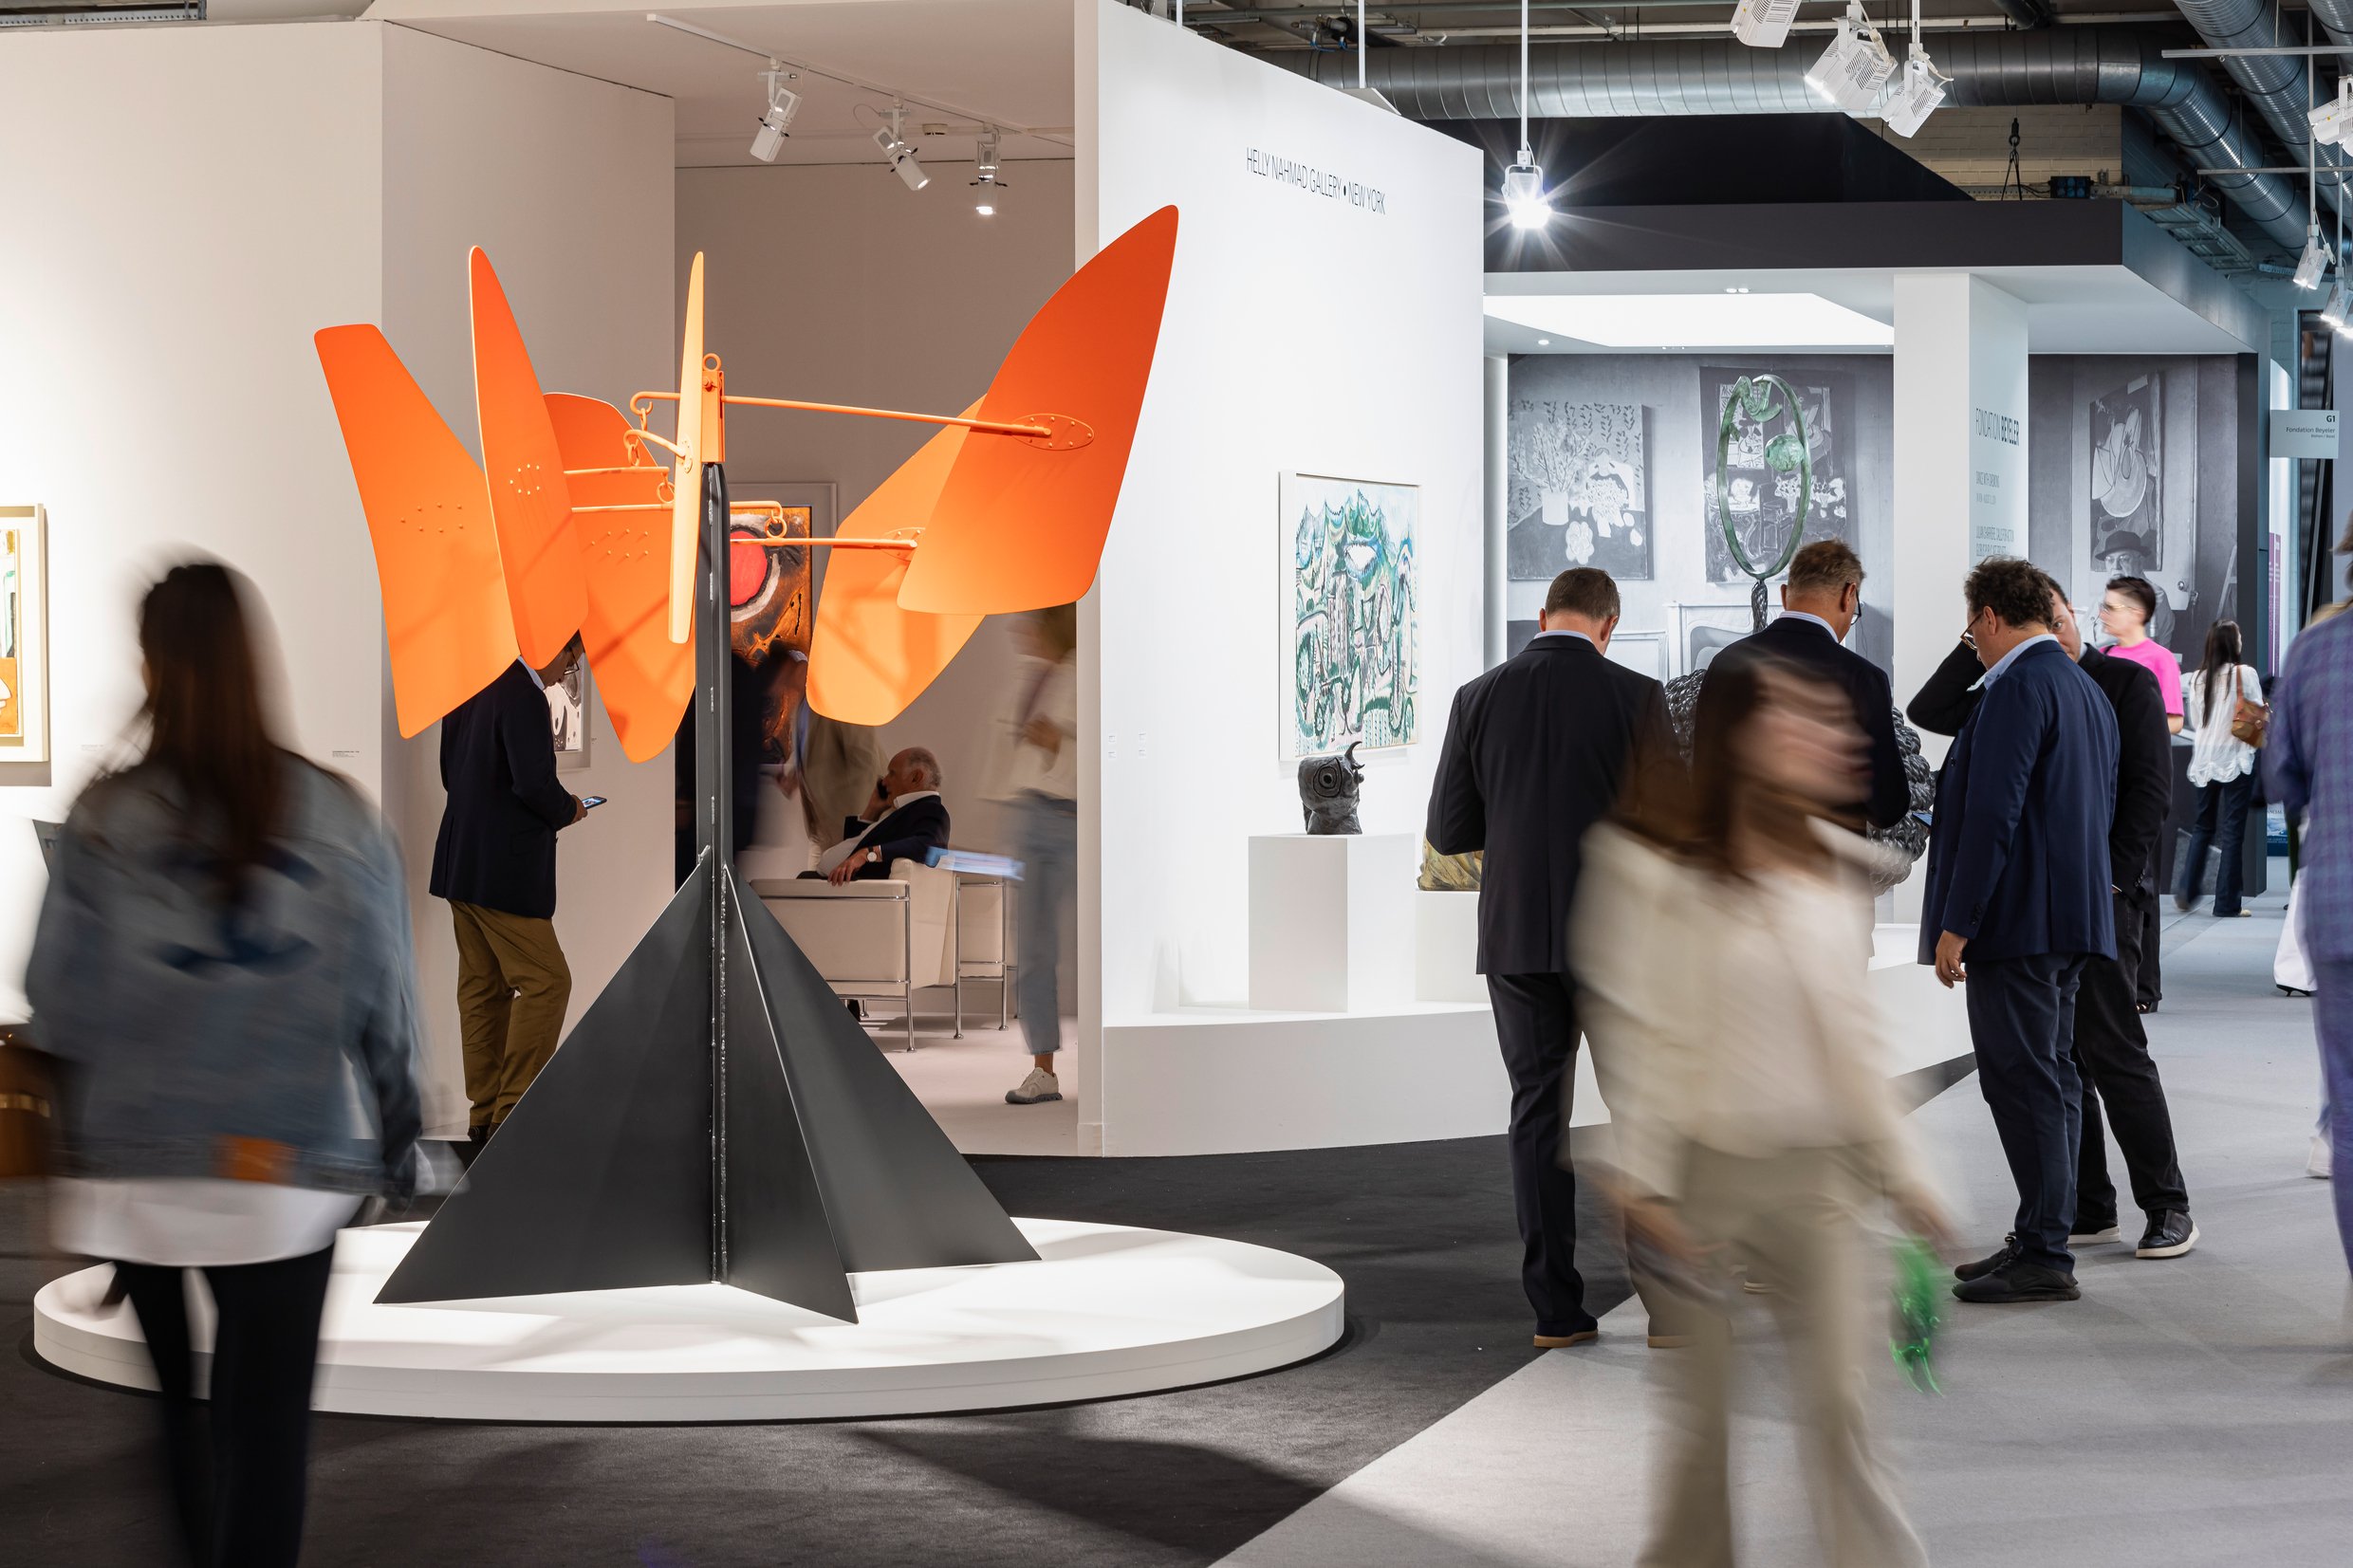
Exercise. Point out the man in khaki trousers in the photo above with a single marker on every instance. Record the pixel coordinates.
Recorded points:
(495, 861)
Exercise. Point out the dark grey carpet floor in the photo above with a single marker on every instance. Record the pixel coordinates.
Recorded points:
(1422, 1234)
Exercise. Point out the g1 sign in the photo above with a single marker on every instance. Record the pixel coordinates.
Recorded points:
(2303, 432)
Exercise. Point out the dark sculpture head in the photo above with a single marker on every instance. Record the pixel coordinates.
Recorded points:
(1327, 791)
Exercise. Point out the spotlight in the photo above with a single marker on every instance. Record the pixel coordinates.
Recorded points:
(1915, 95)
(1855, 68)
(2339, 307)
(783, 103)
(898, 155)
(990, 187)
(1764, 24)
(2334, 117)
(1524, 195)
(2314, 264)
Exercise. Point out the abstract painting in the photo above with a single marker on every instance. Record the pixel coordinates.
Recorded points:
(1764, 500)
(1351, 660)
(1579, 490)
(23, 638)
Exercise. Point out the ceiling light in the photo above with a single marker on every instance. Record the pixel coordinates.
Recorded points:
(989, 187)
(1736, 291)
(1854, 69)
(1694, 320)
(898, 154)
(1916, 93)
(2332, 119)
(2313, 265)
(2339, 307)
(1544, 342)
(1524, 195)
(783, 103)
(1764, 24)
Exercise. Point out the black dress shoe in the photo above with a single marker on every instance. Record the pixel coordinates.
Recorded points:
(2170, 1234)
(2018, 1280)
(1984, 1267)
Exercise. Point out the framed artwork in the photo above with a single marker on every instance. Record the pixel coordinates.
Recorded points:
(2128, 479)
(24, 636)
(1579, 490)
(1349, 585)
(1762, 500)
(568, 713)
(1701, 631)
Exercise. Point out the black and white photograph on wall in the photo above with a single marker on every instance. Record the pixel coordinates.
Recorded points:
(567, 715)
(1579, 490)
(1763, 502)
(2128, 478)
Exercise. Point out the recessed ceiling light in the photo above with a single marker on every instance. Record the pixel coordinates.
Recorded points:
(1736, 291)
(1544, 342)
(1694, 320)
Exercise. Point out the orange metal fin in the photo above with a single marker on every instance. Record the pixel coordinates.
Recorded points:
(646, 680)
(869, 659)
(1021, 521)
(530, 501)
(446, 618)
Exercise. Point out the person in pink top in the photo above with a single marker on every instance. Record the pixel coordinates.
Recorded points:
(2124, 613)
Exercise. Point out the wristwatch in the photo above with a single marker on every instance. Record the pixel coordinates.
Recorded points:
(874, 857)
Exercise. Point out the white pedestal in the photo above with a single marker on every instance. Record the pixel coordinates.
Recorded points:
(1331, 922)
(1446, 947)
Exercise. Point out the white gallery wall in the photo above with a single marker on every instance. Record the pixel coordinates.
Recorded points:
(164, 397)
(835, 283)
(1324, 319)
(185, 205)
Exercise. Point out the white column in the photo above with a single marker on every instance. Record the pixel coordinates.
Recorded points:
(1960, 458)
(1497, 526)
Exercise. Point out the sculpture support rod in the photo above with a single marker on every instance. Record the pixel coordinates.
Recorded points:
(715, 809)
(989, 427)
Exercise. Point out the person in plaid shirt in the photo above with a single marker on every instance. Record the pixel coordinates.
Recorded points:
(2309, 768)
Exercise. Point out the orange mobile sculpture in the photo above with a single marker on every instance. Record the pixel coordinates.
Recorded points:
(716, 1114)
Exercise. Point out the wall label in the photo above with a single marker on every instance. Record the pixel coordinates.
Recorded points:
(1316, 182)
(1997, 427)
(2303, 432)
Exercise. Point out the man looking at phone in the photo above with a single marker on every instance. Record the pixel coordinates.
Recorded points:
(495, 861)
(904, 820)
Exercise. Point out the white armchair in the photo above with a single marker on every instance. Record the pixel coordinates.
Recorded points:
(886, 938)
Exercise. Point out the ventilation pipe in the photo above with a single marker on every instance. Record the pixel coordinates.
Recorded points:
(2279, 85)
(1724, 77)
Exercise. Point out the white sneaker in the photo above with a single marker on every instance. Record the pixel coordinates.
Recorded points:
(1037, 1088)
(2317, 1163)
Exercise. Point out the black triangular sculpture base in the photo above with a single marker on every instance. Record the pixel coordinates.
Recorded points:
(621, 1165)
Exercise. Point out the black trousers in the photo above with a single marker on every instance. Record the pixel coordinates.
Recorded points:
(2149, 980)
(1536, 1021)
(2222, 825)
(239, 1476)
(2112, 1058)
(2021, 1020)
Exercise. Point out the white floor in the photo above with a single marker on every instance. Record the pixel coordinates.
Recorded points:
(962, 1082)
(1105, 1311)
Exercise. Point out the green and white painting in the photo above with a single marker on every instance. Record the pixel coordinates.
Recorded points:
(1352, 664)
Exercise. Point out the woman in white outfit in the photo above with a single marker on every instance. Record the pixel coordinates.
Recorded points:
(1723, 940)
(2222, 767)
(1038, 779)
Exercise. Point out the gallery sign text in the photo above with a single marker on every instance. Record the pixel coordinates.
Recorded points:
(1316, 182)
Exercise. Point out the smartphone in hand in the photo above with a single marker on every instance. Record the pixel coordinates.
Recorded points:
(590, 803)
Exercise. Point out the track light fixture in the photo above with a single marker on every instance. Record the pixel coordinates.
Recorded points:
(1916, 93)
(891, 139)
(1764, 24)
(988, 191)
(1523, 196)
(2339, 307)
(1853, 72)
(2313, 265)
(783, 103)
(2334, 117)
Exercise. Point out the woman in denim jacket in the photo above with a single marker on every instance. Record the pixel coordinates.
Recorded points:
(223, 965)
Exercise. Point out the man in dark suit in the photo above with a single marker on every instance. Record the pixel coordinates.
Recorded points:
(2018, 901)
(2111, 1043)
(495, 861)
(905, 819)
(1537, 751)
(1818, 605)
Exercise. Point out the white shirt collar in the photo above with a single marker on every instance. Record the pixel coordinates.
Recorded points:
(1801, 615)
(1565, 631)
(910, 800)
(2001, 666)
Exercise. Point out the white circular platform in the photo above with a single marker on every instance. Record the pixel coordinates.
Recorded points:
(1106, 1311)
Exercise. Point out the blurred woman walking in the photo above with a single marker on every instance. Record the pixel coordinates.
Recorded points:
(2224, 701)
(223, 961)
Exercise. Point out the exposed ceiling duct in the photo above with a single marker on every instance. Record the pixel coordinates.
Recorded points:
(2279, 85)
(1723, 77)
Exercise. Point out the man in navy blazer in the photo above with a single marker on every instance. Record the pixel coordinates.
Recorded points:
(2017, 902)
(905, 819)
(495, 861)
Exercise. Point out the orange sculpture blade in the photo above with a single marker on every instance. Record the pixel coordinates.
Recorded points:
(687, 473)
(1020, 524)
(529, 502)
(869, 659)
(446, 618)
(646, 680)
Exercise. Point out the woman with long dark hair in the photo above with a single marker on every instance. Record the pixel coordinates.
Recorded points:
(1723, 940)
(2222, 767)
(223, 959)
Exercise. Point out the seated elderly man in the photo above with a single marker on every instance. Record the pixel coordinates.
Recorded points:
(904, 818)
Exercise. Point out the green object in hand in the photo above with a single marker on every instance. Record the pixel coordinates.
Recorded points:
(1919, 1292)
